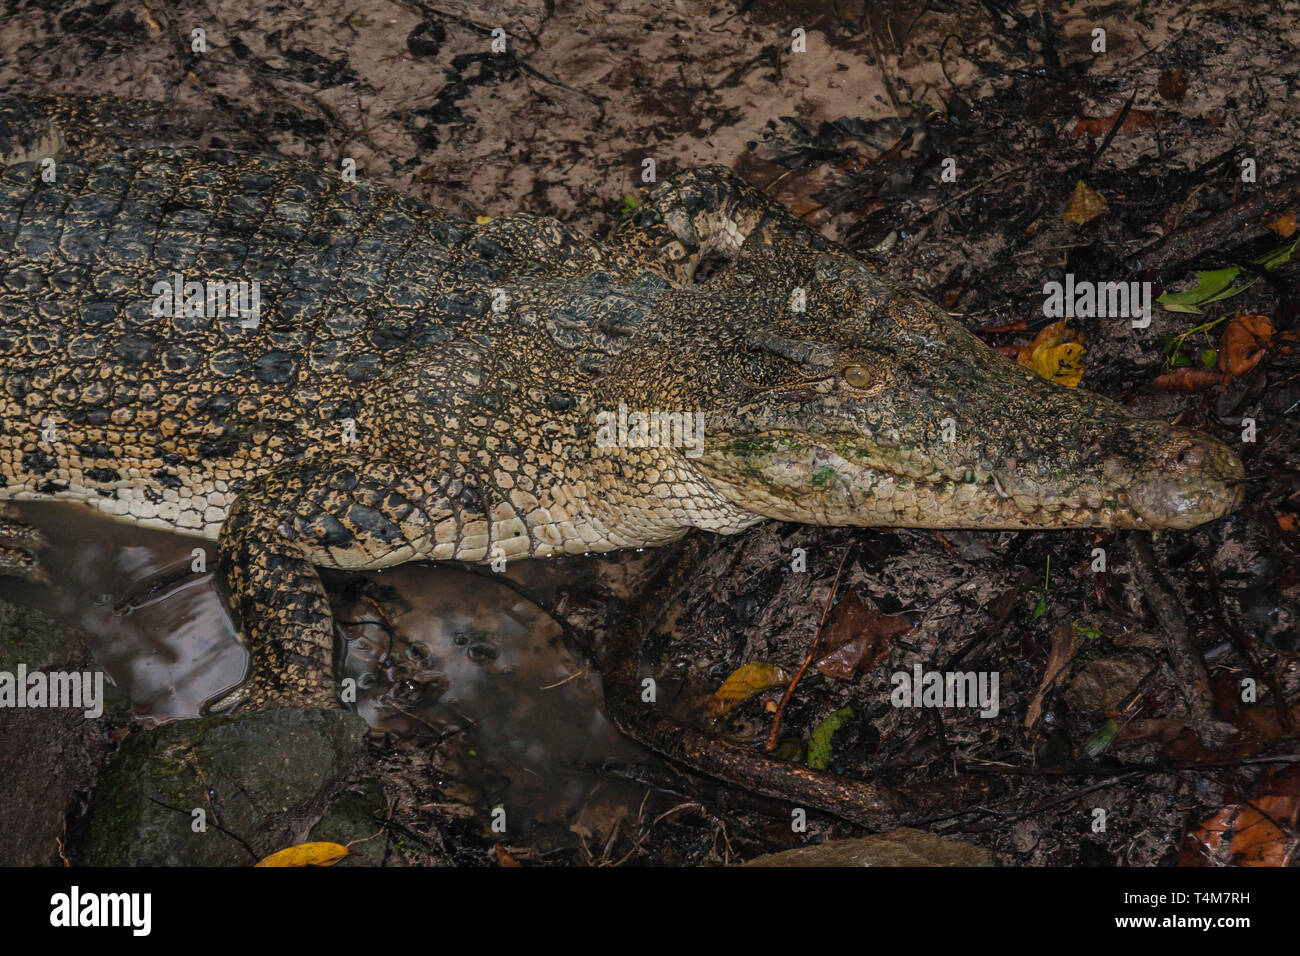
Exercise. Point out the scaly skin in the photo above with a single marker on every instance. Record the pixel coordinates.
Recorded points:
(382, 411)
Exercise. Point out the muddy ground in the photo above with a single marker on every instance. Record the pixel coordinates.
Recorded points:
(1094, 756)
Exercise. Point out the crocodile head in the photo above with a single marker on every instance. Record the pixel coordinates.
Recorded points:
(872, 407)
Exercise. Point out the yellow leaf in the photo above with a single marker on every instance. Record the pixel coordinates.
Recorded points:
(482, 220)
(1085, 203)
(1056, 354)
(306, 854)
(743, 684)
(1062, 364)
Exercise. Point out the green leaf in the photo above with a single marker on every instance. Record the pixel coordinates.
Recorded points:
(1278, 257)
(1041, 607)
(819, 743)
(1216, 285)
(1102, 739)
(1173, 307)
(1210, 358)
(1208, 286)
(1235, 290)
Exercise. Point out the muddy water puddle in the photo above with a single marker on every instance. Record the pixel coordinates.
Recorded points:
(440, 653)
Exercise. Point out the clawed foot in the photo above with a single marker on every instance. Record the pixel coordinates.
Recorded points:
(19, 543)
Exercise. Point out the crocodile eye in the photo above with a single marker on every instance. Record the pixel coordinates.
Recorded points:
(857, 376)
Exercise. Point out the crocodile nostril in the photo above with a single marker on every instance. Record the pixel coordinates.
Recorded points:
(1192, 456)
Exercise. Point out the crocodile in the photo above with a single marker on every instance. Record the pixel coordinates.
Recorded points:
(394, 383)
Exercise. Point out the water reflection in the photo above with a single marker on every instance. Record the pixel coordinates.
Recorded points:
(437, 652)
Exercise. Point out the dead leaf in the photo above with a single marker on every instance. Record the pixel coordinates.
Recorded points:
(1245, 341)
(1258, 728)
(306, 854)
(1172, 85)
(1062, 364)
(1251, 833)
(1065, 644)
(1285, 224)
(743, 683)
(1018, 325)
(1135, 122)
(1056, 354)
(1190, 379)
(1084, 204)
(504, 856)
(858, 636)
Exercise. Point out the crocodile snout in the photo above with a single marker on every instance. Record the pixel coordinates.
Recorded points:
(1186, 478)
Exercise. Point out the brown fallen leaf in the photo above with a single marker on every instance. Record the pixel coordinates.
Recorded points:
(1065, 644)
(1245, 341)
(306, 854)
(505, 857)
(858, 636)
(1285, 224)
(1017, 325)
(1172, 85)
(1255, 832)
(1135, 122)
(1084, 204)
(1258, 728)
(1190, 379)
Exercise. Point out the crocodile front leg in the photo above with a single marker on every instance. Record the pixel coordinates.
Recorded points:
(19, 543)
(702, 212)
(342, 513)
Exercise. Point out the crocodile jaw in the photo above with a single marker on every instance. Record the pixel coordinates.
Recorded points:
(1183, 480)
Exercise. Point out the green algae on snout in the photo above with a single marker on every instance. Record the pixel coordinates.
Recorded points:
(743, 447)
(823, 476)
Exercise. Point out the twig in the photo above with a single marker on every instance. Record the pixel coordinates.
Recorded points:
(1184, 656)
(1232, 224)
(812, 652)
(1008, 817)
(1110, 135)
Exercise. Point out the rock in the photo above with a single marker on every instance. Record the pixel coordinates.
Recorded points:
(1104, 685)
(901, 847)
(260, 780)
(357, 815)
(49, 757)
(28, 636)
